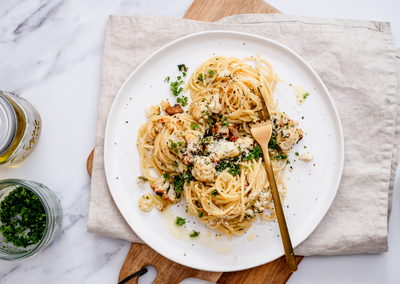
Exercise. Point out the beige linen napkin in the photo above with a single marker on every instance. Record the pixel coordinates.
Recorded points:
(357, 62)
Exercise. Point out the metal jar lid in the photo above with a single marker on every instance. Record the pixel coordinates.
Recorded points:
(8, 124)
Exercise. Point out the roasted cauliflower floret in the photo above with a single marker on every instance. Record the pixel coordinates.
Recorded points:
(200, 111)
(215, 106)
(203, 169)
(164, 105)
(306, 157)
(164, 189)
(145, 203)
(220, 130)
(152, 110)
(288, 133)
(244, 143)
(141, 181)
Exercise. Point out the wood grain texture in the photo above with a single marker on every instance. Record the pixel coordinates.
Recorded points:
(89, 163)
(169, 272)
(213, 10)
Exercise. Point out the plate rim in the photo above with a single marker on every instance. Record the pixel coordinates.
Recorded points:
(284, 47)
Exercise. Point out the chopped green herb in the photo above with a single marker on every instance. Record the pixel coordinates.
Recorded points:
(225, 122)
(167, 79)
(179, 77)
(305, 147)
(143, 178)
(173, 146)
(200, 77)
(195, 234)
(272, 143)
(180, 143)
(280, 157)
(182, 68)
(184, 74)
(200, 214)
(287, 162)
(176, 164)
(176, 90)
(214, 192)
(194, 126)
(183, 101)
(180, 180)
(180, 221)
(297, 153)
(306, 95)
(166, 176)
(256, 153)
(22, 217)
(211, 72)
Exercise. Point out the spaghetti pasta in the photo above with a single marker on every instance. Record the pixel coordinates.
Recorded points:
(208, 155)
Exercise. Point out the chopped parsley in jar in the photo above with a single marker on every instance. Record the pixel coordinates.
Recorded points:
(22, 217)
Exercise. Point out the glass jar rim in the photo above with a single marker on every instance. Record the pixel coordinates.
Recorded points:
(8, 124)
(44, 241)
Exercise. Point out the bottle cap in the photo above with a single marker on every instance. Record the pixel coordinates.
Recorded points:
(8, 124)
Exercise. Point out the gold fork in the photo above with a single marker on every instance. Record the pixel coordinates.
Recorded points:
(261, 132)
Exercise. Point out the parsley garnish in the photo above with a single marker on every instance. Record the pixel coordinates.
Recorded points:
(195, 234)
(167, 79)
(306, 95)
(272, 143)
(176, 164)
(179, 181)
(305, 147)
(201, 77)
(183, 101)
(182, 68)
(200, 214)
(143, 178)
(297, 153)
(225, 122)
(194, 126)
(22, 217)
(166, 176)
(256, 153)
(173, 146)
(211, 72)
(280, 157)
(214, 192)
(175, 87)
(180, 221)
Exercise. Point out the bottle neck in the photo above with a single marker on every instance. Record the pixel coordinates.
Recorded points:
(8, 124)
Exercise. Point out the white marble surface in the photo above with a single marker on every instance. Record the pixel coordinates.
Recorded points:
(50, 53)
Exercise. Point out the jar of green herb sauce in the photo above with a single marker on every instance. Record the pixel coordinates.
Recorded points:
(20, 127)
(30, 218)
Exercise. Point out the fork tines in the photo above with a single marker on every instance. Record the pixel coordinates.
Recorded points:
(264, 112)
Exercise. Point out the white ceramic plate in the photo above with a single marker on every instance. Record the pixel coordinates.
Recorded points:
(312, 186)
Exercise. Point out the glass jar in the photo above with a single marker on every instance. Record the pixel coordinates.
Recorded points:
(20, 127)
(54, 216)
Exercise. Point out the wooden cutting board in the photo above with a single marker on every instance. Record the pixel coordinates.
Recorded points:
(169, 272)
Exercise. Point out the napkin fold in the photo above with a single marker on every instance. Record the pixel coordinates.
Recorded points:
(360, 66)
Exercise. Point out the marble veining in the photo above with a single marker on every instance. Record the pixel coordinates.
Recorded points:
(50, 53)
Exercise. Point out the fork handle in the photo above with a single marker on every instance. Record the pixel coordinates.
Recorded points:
(287, 244)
